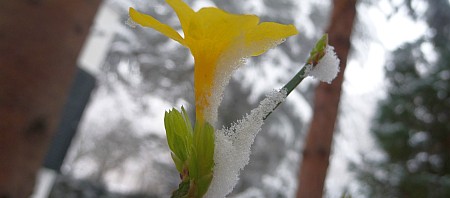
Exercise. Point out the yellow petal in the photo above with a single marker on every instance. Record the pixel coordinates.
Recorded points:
(266, 35)
(218, 25)
(184, 12)
(210, 34)
(205, 58)
(149, 21)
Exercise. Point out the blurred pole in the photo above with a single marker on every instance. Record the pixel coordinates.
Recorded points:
(319, 139)
(79, 96)
(39, 45)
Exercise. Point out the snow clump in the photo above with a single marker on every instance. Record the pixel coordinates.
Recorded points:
(327, 67)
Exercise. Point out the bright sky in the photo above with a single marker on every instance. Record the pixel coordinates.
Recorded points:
(388, 35)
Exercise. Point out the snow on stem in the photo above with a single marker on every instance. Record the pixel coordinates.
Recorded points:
(233, 144)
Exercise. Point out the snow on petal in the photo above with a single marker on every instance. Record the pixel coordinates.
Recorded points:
(220, 42)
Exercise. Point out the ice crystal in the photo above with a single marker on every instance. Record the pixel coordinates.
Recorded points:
(233, 145)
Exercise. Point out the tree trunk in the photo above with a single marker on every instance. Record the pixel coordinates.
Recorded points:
(39, 45)
(320, 135)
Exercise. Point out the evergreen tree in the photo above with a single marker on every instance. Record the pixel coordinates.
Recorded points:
(412, 125)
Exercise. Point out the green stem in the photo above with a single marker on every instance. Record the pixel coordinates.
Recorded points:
(315, 55)
(291, 85)
(295, 81)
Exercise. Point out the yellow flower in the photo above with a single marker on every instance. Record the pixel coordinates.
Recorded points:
(219, 41)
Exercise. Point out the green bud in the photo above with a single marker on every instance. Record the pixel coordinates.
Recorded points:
(204, 154)
(318, 51)
(179, 136)
(192, 153)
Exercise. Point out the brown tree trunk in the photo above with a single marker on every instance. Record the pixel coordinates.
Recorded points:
(39, 44)
(316, 153)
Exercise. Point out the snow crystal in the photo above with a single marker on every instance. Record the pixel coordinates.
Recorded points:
(327, 68)
(131, 23)
(229, 62)
(233, 145)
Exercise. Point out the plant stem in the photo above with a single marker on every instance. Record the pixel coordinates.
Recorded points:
(291, 85)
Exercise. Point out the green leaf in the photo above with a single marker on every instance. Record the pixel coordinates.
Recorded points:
(179, 164)
(204, 154)
(179, 136)
(204, 145)
(186, 120)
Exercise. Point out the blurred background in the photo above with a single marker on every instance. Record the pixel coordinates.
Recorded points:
(391, 138)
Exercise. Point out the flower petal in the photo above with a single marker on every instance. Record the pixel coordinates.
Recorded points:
(266, 35)
(212, 33)
(184, 12)
(149, 21)
(219, 26)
